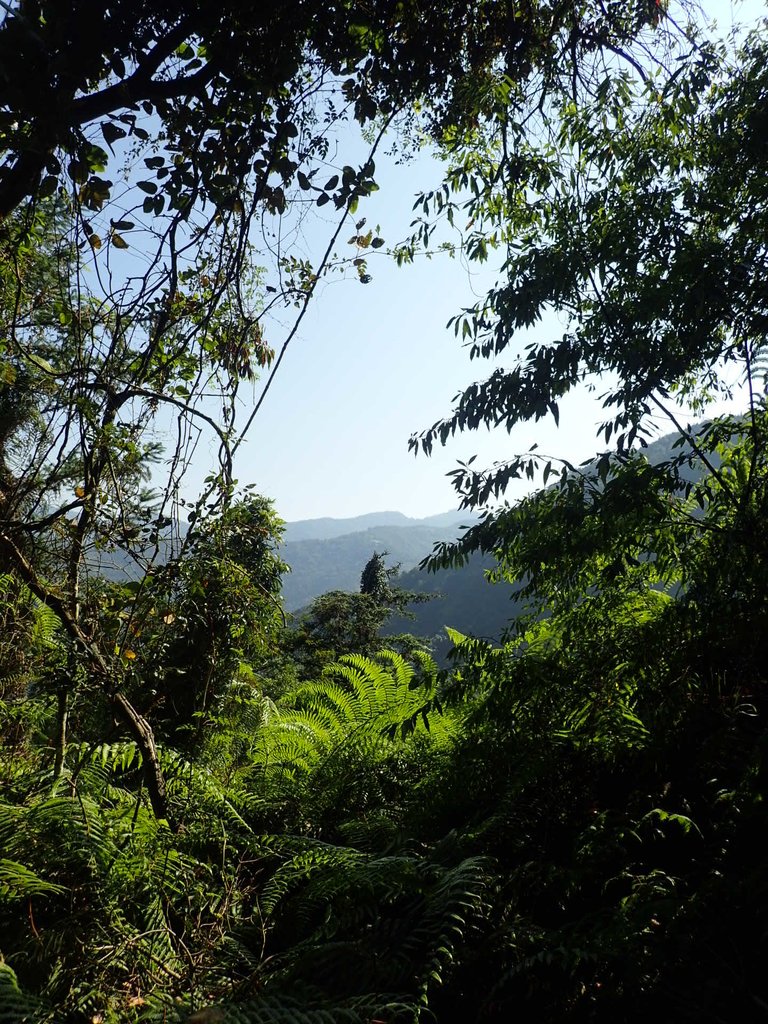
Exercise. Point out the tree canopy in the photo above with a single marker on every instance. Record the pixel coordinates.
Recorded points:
(645, 239)
(236, 92)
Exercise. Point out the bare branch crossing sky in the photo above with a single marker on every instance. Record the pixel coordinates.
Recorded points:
(374, 363)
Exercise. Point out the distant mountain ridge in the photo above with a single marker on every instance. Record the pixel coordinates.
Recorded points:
(327, 527)
(329, 554)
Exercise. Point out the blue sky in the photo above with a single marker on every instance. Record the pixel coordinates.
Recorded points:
(373, 363)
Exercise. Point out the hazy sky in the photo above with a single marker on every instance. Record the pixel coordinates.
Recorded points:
(373, 363)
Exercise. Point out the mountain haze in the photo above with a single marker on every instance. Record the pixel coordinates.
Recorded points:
(329, 554)
(327, 527)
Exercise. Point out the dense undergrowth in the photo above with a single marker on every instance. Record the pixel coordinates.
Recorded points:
(567, 827)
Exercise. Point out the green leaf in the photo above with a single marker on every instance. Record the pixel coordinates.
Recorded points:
(40, 363)
(456, 638)
(95, 158)
(112, 132)
(95, 192)
(78, 171)
(147, 186)
(48, 186)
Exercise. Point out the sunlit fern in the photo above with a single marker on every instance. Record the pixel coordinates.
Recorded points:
(356, 704)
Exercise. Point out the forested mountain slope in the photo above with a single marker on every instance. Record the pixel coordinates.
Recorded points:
(461, 598)
(461, 595)
(334, 560)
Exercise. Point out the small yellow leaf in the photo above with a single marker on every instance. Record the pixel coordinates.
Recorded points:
(95, 241)
(169, 618)
(130, 655)
(118, 241)
(80, 492)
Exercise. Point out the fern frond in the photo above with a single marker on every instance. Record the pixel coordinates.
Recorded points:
(301, 867)
(16, 1007)
(17, 882)
(357, 701)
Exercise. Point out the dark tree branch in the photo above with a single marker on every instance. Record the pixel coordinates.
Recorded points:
(19, 179)
(131, 91)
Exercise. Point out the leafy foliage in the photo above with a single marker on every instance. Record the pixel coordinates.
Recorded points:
(340, 623)
(200, 821)
(374, 578)
(640, 210)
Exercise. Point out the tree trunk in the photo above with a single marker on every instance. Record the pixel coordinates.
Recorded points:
(154, 780)
(62, 719)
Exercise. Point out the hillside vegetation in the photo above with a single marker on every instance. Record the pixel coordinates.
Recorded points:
(334, 562)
